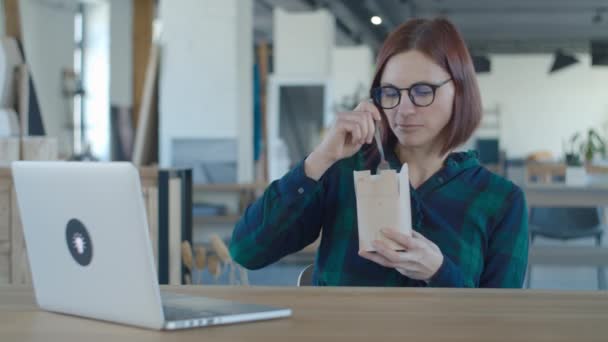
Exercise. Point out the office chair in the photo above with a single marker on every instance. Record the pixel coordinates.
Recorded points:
(305, 277)
(567, 224)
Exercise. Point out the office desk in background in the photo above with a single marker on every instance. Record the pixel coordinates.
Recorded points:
(346, 314)
(561, 195)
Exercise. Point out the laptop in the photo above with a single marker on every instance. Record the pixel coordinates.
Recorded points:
(90, 254)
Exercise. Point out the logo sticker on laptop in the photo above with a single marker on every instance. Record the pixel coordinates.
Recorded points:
(79, 242)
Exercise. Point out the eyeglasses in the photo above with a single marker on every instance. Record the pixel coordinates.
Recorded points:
(421, 94)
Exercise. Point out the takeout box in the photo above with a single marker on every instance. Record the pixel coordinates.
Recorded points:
(383, 201)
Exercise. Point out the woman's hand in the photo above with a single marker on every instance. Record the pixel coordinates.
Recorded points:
(345, 137)
(420, 260)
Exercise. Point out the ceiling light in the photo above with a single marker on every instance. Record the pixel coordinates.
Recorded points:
(481, 63)
(598, 16)
(376, 20)
(562, 60)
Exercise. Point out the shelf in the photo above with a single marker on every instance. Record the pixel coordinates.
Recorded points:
(216, 219)
(230, 187)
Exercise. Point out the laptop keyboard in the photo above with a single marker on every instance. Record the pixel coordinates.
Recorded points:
(175, 313)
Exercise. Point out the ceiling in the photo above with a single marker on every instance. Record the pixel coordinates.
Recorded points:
(490, 26)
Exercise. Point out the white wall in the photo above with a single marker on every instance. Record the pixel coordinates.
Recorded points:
(303, 43)
(206, 80)
(352, 68)
(539, 110)
(244, 94)
(48, 38)
(96, 78)
(121, 53)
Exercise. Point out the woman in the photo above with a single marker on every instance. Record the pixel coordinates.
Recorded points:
(470, 225)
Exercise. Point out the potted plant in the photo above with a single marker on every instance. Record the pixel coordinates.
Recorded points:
(592, 146)
(581, 152)
(575, 172)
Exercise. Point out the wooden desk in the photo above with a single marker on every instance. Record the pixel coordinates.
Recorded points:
(346, 314)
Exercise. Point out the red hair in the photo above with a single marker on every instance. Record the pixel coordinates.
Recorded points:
(439, 40)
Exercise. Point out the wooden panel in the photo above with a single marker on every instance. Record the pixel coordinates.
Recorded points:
(6, 180)
(152, 214)
(5, 228)
(263, 60)
(144, 147)
(5, 214)
(20, 269)
(9, 149)
(143, 17)
(39, 148)
(5, 257)
(149, 176)
(5, 265)
(23, 104)
(5, 248)
(13, 20)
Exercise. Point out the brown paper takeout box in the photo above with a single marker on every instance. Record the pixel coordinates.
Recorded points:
(383, 201)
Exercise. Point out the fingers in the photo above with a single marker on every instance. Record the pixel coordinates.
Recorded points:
(421, 260)
(418, 236)
(387, 252)
(361, 119)
(369, 129)
(408, 242)
(377, 258)
(372, 128)
(403, 265)
(406, 263)
(352, 128)
(368, 106)
(409, 259)
(366, 116)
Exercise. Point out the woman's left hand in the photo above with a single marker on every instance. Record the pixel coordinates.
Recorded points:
(420, 260)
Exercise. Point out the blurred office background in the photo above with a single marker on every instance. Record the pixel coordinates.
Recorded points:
(238, 91)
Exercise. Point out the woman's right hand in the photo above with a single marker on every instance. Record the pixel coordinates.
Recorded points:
(345, 137)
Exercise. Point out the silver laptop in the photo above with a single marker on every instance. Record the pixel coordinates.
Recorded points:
(90, 254)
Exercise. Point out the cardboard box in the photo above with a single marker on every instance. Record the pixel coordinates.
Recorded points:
(383, 201)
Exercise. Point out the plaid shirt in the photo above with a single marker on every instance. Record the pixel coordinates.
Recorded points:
(478, 220)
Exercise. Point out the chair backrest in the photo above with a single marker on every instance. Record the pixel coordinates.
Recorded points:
(305, 277)
(545, 172)
(579, 218)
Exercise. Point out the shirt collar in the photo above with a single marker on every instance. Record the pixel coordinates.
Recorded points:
(454, 164)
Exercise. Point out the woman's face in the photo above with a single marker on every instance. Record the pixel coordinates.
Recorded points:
(418, 126)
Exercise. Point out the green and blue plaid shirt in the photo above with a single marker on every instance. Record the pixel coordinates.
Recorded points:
(478, 220)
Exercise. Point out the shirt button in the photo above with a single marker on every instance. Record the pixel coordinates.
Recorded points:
(301, 191)
(440, 179)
